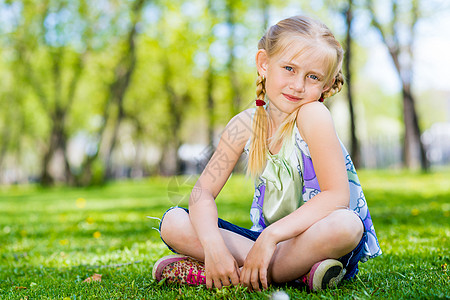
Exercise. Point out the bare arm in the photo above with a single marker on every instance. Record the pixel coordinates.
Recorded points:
(220, 265)
(317, 129)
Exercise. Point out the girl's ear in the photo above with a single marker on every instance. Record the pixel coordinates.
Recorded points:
(262, 61)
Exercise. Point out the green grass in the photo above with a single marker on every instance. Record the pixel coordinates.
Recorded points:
(52, 239)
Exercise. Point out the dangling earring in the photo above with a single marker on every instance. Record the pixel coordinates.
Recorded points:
(321, 99)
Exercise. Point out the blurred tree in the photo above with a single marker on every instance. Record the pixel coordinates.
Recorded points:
(178, 38)
(398, 34)
(113, 111)
(52, 67)
(10, 118)
(265, 4)
(150, 74)
(346, 9)
(211, 17)
(51, 42)
(15, 124)
(231, 9)
(355, 150)
(123, 72)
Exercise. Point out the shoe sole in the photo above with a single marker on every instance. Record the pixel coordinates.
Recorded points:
(326, 274)
(163, 262)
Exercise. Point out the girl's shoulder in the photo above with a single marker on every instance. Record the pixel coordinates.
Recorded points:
(245, 117)
(314, 110)
(313, 118)
(239, 129)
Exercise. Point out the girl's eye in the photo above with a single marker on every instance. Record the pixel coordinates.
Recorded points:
(290, 69)
(314, 77)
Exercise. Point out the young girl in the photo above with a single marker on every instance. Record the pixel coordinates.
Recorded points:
(310, 218)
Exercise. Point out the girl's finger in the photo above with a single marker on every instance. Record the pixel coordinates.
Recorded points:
(263, 278)
(225, 281)
(244, 278)
(208, 282)
(235, 278)
(254, 280)
(217, 284)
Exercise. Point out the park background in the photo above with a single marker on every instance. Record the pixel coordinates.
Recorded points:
(110, 109)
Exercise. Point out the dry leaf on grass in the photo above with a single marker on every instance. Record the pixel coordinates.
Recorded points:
(95, 277)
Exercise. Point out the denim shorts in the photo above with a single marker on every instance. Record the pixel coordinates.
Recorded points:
(349, 261)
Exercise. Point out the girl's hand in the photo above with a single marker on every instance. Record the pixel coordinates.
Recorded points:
(257, 262)
(221, 269)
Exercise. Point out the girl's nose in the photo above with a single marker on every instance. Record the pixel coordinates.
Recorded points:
(298, 85)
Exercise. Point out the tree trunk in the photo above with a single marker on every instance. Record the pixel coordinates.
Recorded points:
(354, 146)
(117, 90)
(265, 13)
(414, 154)
(138, 168)
(177, 104)
(124, 71)
(58, 139)
(4, 142)
(170, 164)
(414, 150)
(210, 104)
(46, 178)
(210, 107)
(231, 65)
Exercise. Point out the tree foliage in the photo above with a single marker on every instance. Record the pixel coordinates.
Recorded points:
(92, 90)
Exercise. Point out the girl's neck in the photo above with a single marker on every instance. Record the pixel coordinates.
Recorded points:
(276, 117)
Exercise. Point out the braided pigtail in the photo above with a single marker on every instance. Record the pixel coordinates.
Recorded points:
(258, 144)
(336, 87)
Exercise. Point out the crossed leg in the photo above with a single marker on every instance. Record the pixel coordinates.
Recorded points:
(332, 237)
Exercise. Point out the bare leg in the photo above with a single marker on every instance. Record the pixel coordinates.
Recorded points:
(332, 237)
(178, 232)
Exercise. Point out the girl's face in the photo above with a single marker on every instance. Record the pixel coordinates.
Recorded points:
(294, 78)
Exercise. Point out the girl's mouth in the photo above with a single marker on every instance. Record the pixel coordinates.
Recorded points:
(291, 98)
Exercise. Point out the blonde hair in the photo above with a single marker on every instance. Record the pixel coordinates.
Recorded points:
(275, 40)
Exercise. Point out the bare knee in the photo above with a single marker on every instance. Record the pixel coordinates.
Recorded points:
(174, 225)
(178, 232)
(346, 229)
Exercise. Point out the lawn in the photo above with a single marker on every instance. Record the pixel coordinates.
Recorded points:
(51, 240)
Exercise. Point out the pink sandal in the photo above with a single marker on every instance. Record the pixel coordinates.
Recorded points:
(179, 269)
(324, 274)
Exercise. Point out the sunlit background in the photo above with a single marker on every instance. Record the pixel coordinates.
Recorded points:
(98, 90)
